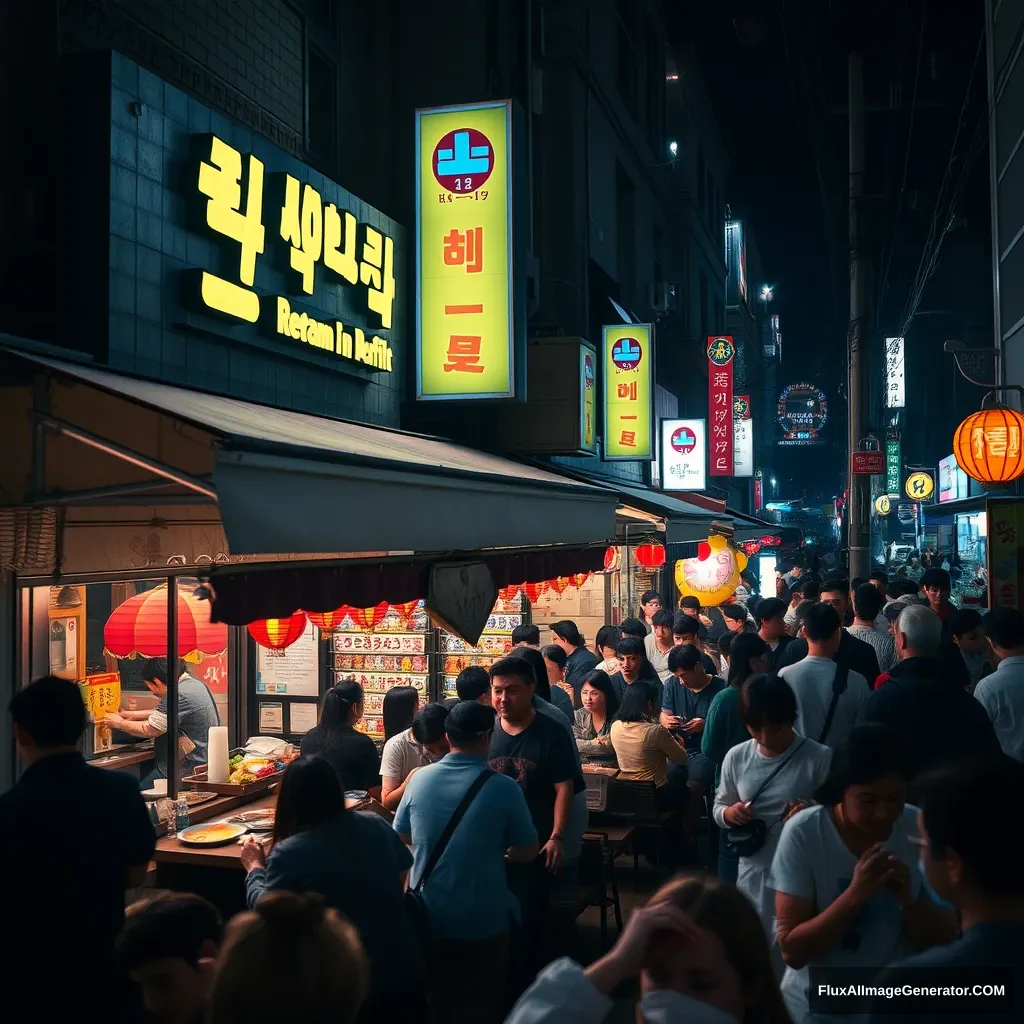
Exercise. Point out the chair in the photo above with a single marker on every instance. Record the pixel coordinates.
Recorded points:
(635, 802)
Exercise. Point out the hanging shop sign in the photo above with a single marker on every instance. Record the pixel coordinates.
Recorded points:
(895, 376)
(470, 306)
(684, 455)
(954, 483)
(920, 484)
(1005, 527)
(713, 576)
(721, 358)
(736, 261)
(883, 505)
(868, 463)
(743, 437)
(253, 211)
(893, 466)
(802, 411)
(989, 445)
(628, 392)
(588, 397)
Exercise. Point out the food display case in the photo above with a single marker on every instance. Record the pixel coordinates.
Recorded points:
(495, 642)
(396, 651)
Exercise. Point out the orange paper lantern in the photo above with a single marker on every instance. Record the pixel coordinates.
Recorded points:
(989, 445)
(406, 608)
(139, 627)
(611, 558)
(560, 584)
(650, 556)
(509, 593)
(580, 578)
(533, 591)
(370, 618)
(277, 634)
(327, 622)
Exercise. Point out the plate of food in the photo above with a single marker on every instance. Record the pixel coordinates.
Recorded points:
(213, 834)
(255, 821)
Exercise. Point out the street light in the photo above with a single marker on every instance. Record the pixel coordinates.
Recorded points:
(673, 148)
(775, 487)
(767, 293)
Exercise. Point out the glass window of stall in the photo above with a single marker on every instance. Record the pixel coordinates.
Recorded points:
(110, 638)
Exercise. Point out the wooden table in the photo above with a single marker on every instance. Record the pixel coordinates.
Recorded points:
(117, 760)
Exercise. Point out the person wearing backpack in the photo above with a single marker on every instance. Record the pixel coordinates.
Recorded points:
(762, 781)
(824, 688)
(461, 819)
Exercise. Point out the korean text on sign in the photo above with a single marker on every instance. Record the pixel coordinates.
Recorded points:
(466, 333)
(720, 406)
(233, 185)
(628, 390)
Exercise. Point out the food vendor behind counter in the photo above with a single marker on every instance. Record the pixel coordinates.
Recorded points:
(197, 712)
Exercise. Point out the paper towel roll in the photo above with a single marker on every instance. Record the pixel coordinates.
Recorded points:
(217, 754)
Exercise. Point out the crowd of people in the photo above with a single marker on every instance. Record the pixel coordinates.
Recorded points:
(855, 746)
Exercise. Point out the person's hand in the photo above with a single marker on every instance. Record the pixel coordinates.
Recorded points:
(871, 873)
(252, 855)
(671, 721)
(694, 725)
(630, 955)
(738, 814)
(705, 620)
(604, 741)
(114, 720)
(553, 853)
(898, 881)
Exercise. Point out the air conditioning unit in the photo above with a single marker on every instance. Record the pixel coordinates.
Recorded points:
(664, 296)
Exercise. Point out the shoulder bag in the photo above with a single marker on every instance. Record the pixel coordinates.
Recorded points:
(414, 904)
(746, 840)
(842, 677)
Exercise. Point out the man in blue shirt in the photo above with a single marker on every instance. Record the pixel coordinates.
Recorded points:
(579, 661)
(968, 864)
(470, 904)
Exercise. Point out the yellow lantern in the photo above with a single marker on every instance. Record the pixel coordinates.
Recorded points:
(988, 445)
(713, 576)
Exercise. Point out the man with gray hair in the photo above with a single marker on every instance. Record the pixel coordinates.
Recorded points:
(924, 702)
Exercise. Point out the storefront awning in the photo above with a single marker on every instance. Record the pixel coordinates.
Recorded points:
(292, 483)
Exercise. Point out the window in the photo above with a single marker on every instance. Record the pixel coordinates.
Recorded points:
(101, 636)
(626, 70)
(322, 107)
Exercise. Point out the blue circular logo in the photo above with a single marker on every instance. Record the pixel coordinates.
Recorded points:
(627, 354)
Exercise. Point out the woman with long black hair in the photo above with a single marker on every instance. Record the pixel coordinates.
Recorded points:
(335, 738)
(357, 863)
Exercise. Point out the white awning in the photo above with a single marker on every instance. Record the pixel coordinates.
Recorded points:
(292, 483)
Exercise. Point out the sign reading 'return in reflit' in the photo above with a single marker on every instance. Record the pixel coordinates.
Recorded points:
(721, 353)
(467, 322)
(251, 212)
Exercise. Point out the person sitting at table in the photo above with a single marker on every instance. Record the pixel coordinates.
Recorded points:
(593, 722)
(405, 753)
(355, 861)
(197, 712)
(352, 754)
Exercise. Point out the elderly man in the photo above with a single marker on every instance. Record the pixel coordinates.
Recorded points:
(924, 703)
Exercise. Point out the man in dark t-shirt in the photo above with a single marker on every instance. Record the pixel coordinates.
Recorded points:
(73, 839)
(689, 692)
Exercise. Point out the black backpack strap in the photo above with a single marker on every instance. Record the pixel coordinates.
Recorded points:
(842, 677)
(453, 824)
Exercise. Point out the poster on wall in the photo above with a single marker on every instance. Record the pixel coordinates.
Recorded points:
(588, 397)
(293, 672)
(629, 392)
(895, 375)
(1005, 521)
(721, 353)
(743, 437)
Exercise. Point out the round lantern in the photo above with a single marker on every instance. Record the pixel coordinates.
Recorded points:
(611, 559)
(713, 576)
(328, 622)
(989, 445)
(509, 593)
(277, 634)
(370, 618)
(650, 556)
(579, 579)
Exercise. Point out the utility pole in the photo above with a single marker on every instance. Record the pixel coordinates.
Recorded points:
(858, 511)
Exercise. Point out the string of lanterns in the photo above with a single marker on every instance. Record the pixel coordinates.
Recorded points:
(277, 634)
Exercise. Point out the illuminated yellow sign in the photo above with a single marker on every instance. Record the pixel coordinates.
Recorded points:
(237, 211)
(883, 506)
(466, 316)
(588, 396)
(920, 486)
(629, 392)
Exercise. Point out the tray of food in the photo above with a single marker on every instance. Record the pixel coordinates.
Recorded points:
(211, 834)
(246, 774)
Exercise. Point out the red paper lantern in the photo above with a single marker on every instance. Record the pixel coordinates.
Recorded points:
(406, 608)
(611, 558)
(650, 556)
(370, 618)
(328, 622)
(277, 634)
(533, 591)
(560, 584)
(580, 578)
(509, 593)
(138, 627)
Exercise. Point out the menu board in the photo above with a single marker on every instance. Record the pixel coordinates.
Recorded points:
(495, 643)
(391, 653)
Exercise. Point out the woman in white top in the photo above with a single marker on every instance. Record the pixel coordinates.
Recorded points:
(846, 876)
(761, 782)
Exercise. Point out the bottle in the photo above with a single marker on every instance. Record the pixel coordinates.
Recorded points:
(181, 816)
